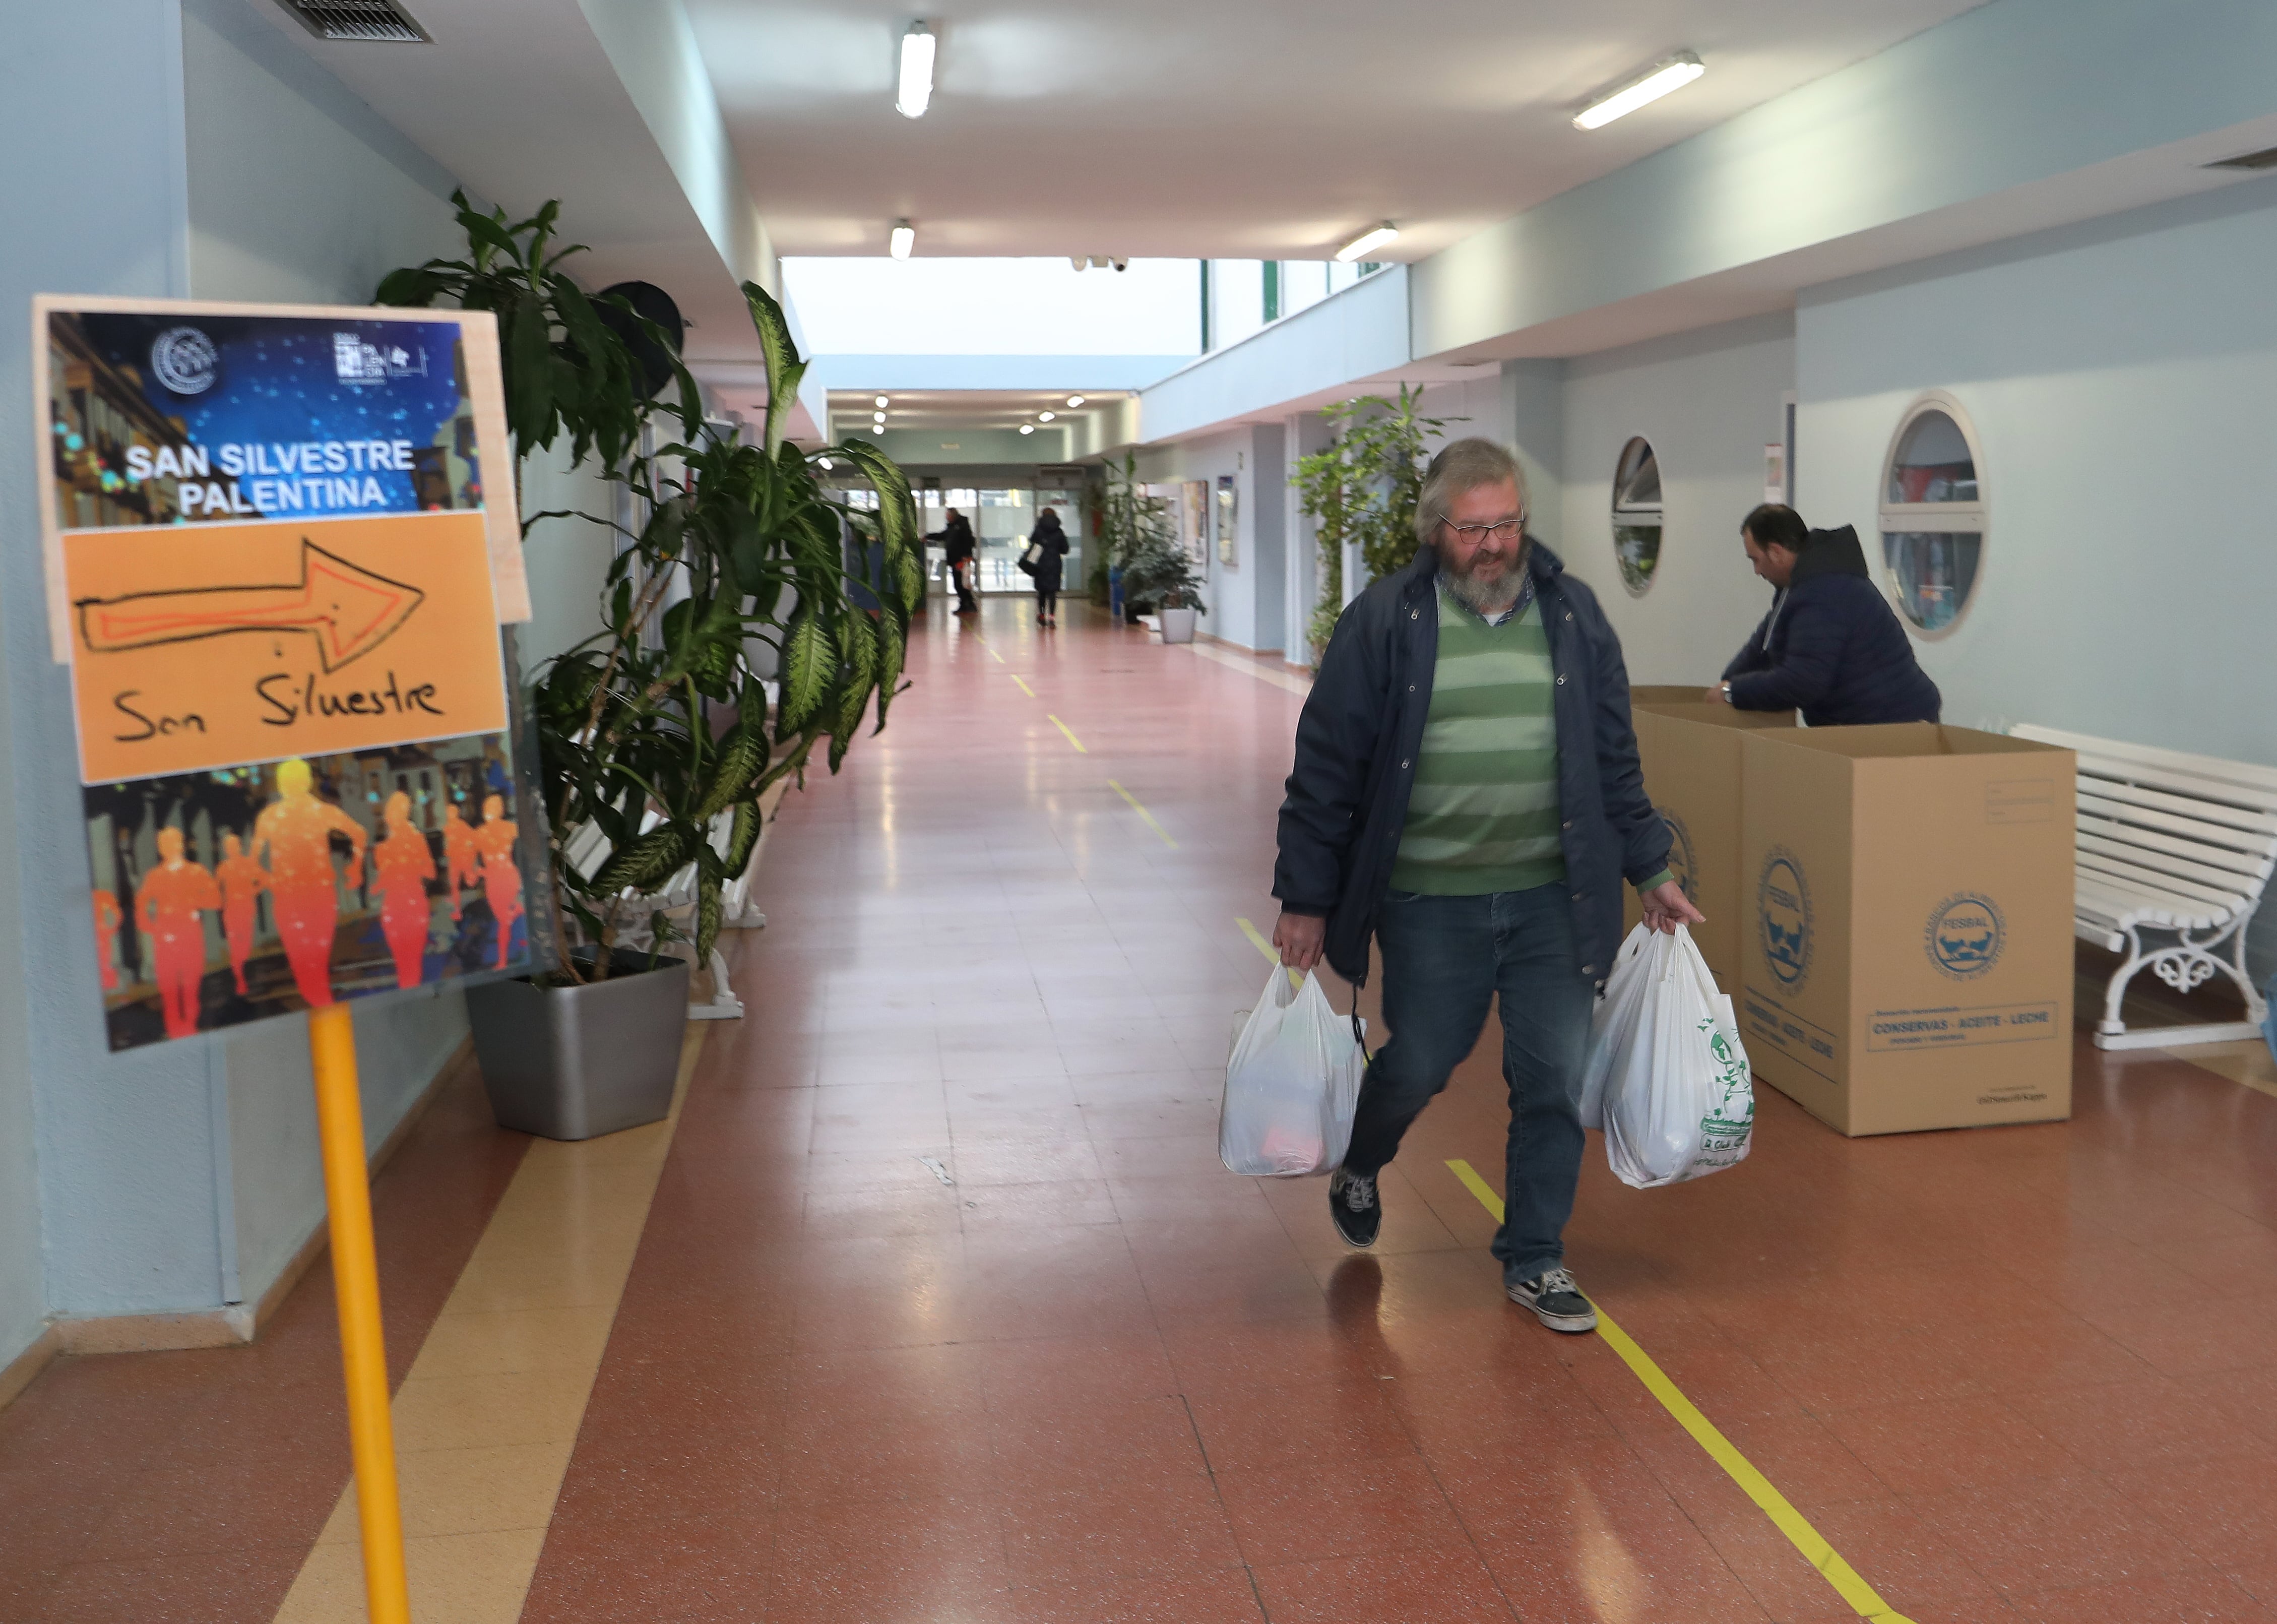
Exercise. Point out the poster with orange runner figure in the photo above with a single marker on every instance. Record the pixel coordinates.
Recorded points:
(280, 542)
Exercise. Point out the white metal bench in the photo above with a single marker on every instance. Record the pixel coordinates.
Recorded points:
(2174, 852)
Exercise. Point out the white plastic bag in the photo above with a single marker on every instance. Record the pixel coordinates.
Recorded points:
(1291, 1084)
(1616, 1012)
(1671, 1076)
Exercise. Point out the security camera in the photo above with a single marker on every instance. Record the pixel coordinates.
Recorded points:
(1120, 264)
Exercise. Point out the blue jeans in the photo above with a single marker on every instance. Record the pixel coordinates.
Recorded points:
(1443, 958)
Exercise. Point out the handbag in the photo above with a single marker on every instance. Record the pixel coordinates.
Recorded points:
(1032, 557)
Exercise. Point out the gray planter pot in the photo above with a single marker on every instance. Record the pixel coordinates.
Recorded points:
(577, 1062)
(1179, 625)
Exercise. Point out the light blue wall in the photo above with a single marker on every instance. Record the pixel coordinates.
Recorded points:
(2122, 381)
(1710, 401)
(2009, 96)
(88, 90)
(299, 192)
(229, 167)
(1245, 608)
(1360, 332)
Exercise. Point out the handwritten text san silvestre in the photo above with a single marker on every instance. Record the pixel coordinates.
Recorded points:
(290, 699)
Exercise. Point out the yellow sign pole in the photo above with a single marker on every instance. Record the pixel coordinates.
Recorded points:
(356, 1287)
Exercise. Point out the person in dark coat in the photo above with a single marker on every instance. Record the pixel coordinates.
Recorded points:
(1831, 647)
(1049, 536)
(1467, 792)
(956, 538)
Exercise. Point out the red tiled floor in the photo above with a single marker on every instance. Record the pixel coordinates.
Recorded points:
(2010, 1374)
(190, 1486)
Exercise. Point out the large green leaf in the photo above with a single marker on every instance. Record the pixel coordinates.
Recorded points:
(706, 919)
(742, 836)
(647, 861)
(806, 673)
(893, 649)
(785, 369)
(739, 764)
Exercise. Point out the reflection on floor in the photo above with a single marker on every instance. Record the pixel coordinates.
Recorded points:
(944, 1310)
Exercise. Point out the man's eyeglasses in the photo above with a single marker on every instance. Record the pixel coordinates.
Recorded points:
(1508, 530)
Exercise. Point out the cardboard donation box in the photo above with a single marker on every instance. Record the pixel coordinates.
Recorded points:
(1659, 696)
(1691, 756)
(1907, 958)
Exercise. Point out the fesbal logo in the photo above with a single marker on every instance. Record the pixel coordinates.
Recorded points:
(1783, 914)
(186, 362)
(1965, 935)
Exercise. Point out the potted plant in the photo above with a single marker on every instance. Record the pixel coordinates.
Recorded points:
(656, 738)
(1156, 573)
(1160, 572)
(1363, 486)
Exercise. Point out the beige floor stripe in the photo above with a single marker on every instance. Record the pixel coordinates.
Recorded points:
(486, 1421)
(1264, 671)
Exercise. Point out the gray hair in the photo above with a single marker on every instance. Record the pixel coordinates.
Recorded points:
(1463, 465)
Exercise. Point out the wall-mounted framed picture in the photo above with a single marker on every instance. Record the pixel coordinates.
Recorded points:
(1193, 521)
(1228, 516)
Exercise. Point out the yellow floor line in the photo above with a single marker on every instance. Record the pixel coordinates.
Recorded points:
(1791, 1522)
(487, 1419)
(1023, 681)
(1071, 738)
(1143, 813)
(1272, 954)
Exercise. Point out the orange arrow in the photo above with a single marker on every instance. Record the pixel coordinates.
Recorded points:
(349, 610)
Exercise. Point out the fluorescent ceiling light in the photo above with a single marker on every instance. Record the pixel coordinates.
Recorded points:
(903, 240)
(882, 403)
(1074, 400)
(917, 46)
(1673, 74)
(1365, 240)
(1045, 417)
(1027, 428)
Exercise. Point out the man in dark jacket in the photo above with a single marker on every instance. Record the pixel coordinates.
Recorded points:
(956, 538)
(1466, 791)
(1832, 646)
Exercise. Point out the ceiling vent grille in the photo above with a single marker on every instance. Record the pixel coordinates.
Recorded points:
(379, 20)
(2267, 158)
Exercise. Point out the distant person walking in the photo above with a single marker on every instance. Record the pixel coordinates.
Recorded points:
(956, 538)
(1050, 544)
(1832, 646)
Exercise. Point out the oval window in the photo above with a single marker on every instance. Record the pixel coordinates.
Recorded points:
(1933, 514)
(1636, 514)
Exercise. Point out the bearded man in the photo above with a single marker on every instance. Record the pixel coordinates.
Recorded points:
(1466, 793)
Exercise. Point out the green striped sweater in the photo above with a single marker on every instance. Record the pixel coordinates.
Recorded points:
(1483, 814)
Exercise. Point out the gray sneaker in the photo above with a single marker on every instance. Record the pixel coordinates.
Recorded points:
(1556, 1301)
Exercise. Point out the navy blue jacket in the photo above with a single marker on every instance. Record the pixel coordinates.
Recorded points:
(1832, 646)
(1362, 730)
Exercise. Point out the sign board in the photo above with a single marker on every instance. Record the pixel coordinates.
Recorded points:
(279, 544)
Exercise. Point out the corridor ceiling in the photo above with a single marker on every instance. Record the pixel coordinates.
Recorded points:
(1268, 129)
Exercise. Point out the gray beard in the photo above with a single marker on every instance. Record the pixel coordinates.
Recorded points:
(1484, 601)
